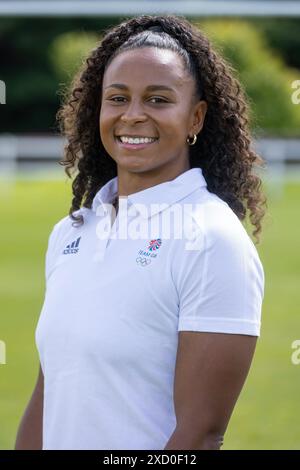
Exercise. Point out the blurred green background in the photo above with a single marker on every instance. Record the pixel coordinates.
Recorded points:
(38, 59)
(267, 414)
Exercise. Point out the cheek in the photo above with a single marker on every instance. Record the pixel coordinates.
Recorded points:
(175, 123)
(105, 125)
(173, 132)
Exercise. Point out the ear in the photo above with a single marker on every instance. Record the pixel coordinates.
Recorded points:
(198, 115)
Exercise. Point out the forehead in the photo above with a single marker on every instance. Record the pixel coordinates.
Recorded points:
(145, 66)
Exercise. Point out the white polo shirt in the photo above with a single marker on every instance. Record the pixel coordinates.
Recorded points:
(108, 330)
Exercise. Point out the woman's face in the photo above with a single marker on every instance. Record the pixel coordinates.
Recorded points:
(147, 93)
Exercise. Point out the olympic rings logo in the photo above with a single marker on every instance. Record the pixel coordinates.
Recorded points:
(142, 261)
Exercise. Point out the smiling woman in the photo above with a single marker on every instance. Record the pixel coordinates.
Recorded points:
(145, 341)
(202, 85)
(129, 119)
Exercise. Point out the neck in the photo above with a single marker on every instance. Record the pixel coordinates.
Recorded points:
(129, 183)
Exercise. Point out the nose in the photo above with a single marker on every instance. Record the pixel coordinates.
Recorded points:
(134, 113)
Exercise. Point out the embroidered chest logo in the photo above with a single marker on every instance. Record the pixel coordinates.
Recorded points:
(154, 244)
(145, 257)
(72, 248)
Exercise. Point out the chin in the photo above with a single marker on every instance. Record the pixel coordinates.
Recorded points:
(134, 168)
(132, 164)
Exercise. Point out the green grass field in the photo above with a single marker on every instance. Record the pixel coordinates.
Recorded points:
(267, 415)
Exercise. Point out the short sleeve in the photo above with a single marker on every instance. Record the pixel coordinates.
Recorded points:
(221, 283)
(51, 251)
(59, 230)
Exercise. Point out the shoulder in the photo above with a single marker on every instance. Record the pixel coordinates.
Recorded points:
(62, 232)
(219, 241)
(219, 277)
(65, 227)
(217, 224)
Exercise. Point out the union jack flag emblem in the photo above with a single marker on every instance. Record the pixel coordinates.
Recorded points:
(154, 244)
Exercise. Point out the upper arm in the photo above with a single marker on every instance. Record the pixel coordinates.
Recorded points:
(37, 400)
(220, 286)
(210, 371)
(29, 435)
(40, 379)
(38, 392)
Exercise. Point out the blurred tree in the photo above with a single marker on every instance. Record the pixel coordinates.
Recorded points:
(262, 72)
(37, 55)
(69, 50)
(283, 34)
(32, 97)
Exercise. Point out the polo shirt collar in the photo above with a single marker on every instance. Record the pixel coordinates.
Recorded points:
(156, 198)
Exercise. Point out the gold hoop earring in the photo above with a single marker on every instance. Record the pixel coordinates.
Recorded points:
(194, 140)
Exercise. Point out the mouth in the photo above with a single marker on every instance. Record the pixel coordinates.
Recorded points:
(139, 146)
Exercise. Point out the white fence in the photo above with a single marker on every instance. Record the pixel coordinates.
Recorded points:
(39, 154)
(199, 8)
(29, 154)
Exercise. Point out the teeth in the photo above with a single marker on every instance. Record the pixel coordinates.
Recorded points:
(136, 140)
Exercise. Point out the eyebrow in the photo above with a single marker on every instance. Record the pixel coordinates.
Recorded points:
(121, 86)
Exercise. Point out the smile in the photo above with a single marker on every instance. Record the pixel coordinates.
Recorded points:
(135, 143)
(136, 139)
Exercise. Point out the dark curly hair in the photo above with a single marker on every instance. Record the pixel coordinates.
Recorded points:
(223, 146)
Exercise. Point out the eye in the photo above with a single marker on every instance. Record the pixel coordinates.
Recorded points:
(113, 99)
(160, 99)
(154, 99)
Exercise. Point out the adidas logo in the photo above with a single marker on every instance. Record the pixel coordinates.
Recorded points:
(72, 248)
